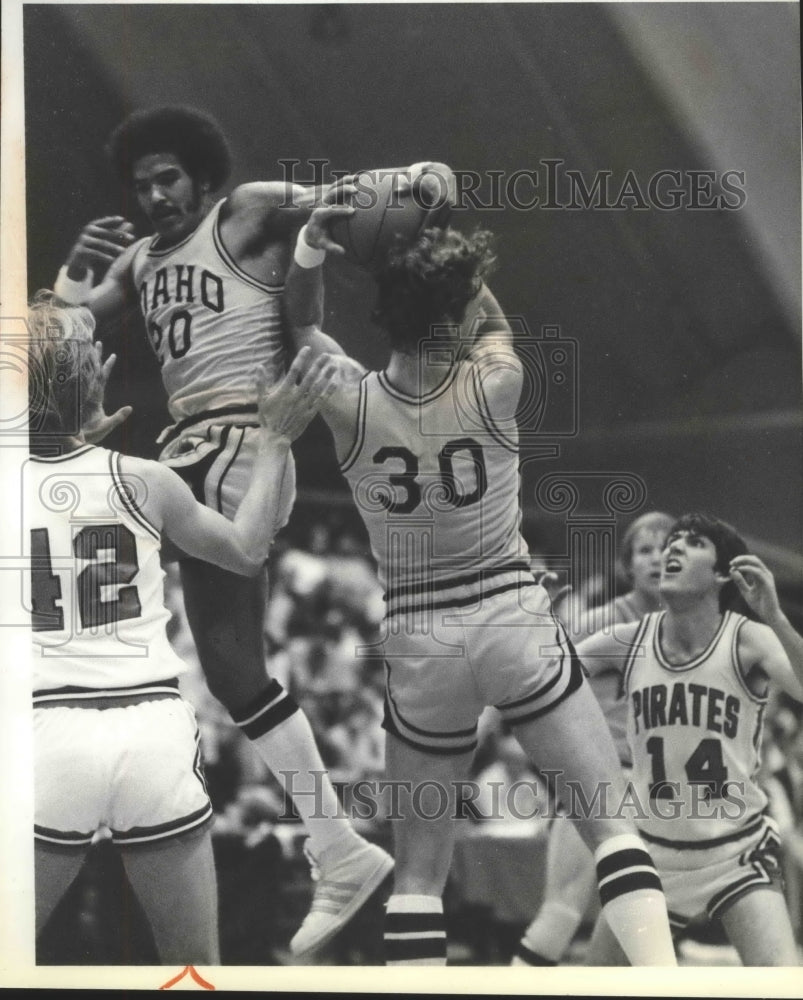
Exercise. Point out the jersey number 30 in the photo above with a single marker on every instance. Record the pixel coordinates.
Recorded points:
(409, 483)
(110, 554)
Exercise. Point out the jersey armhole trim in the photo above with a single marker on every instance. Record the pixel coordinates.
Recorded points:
(61, 457)
(639, 642)
(484, 411)
(126, 498)
(235, 268)
(359, 438)
(737, 665)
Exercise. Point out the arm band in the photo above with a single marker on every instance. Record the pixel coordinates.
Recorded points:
(305, 255)
(74, 293)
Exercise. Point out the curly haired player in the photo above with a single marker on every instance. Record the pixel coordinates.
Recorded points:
(429, 447)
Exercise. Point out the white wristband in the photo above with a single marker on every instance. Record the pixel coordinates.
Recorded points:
(74, 293)
(305, 255)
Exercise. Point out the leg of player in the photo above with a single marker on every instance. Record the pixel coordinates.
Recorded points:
(176, 884)
(759, 928)
(55, 870)
(574, 741)
(415, 930)
(570, 884)
(225, 613)
(603, 948)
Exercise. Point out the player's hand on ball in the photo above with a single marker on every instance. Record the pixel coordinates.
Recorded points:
(287, 407)
(317, 233)
(338, 190)
(756, 585)
(100, 243)
(434, 182)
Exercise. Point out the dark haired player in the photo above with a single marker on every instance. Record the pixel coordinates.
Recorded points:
(429, 447)
(570, 880)
(115, 746)
(696, 678)
(210, 283)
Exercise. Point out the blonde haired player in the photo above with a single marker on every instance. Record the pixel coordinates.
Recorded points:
(115, 746)
(429, 447)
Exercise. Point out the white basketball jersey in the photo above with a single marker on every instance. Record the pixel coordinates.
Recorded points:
(209, 323)
(695, 732)
(95, 589)
(437, 485)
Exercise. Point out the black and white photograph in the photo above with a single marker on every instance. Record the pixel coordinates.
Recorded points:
(401, 439)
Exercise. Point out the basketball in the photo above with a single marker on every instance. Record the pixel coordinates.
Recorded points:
(388, 210)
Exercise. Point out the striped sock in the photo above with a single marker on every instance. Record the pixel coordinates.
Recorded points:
(268, 710)
(415, 931)
(633, 901)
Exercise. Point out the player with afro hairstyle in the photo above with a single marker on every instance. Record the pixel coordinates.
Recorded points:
(209, 282)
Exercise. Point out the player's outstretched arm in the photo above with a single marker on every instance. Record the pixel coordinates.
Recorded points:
(242, 545)
(303, 292)
(103, 244)
(607, 652)
(278, 208)
(757, 586)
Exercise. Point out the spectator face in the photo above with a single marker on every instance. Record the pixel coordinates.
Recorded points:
(645, 566)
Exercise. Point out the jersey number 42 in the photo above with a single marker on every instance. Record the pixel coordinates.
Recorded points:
(108, 554)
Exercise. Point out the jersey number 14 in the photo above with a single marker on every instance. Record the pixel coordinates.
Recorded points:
(704, 767)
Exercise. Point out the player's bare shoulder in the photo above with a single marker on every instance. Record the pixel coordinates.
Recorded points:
(261, 204)
(495, 377)
(121, 269)
(345, 400)
(149, 486)
(609, 649)
(341, 410)
(494, 364)
(758, 648)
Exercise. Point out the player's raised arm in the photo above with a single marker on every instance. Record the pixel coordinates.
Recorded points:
(303, 293)
(280, 207)
(103, 244)
(242, 545)
(607, 652)
(273, 209)
(757, 586)
(96, 424)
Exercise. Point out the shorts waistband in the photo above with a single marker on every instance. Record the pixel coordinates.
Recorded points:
(458, 591)
(751, 827)
(101, 698)
(222, 415)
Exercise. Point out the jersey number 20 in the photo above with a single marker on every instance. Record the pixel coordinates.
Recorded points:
(117, 567)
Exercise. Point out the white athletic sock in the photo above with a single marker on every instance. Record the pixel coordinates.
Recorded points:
(415, 931)
(290, 751)
(283, 738)
(546, 939)
(633, 901)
